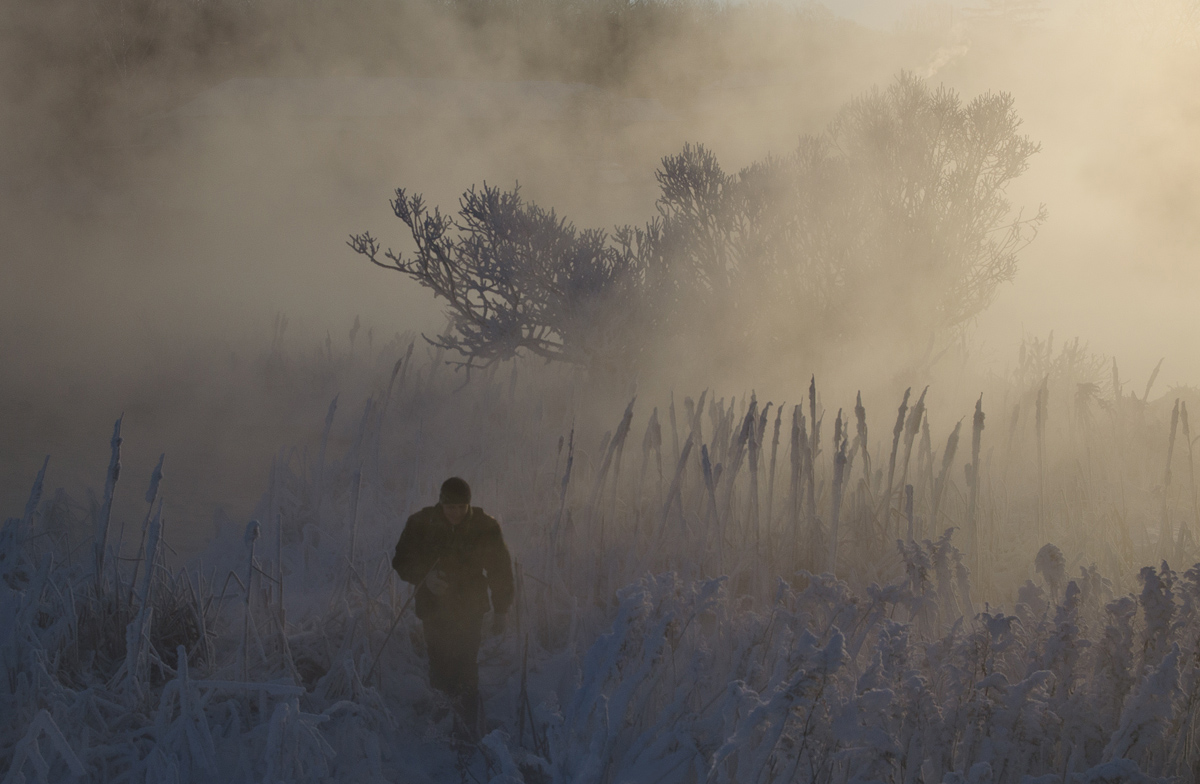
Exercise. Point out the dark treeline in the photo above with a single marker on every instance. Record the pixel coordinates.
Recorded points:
(87, 81)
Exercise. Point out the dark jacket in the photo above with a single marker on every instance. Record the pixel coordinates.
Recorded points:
(472, 555)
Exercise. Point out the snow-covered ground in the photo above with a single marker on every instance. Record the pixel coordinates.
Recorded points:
(710, 590)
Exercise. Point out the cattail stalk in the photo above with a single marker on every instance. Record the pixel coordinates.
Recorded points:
(669, 504)
(740, 447)
(810, 460)
(1165, 537)
(560, 520)
(839, 467)
(651, 441)
(622, 433)
(908, 509)
(774, 455)
(1187, 438)
(972, 472)
(797, 464)
(674, 429)
(897, 430)
(151, 495)
(944, 475)
(910, 434)
(1041, 402)
(320, 478)
(139, 628)
(925, 474)
(252, 531)
(860, 417)
(110, 486)
(752, 511)
(714, 515)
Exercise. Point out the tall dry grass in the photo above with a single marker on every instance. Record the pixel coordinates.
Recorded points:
(670, 623)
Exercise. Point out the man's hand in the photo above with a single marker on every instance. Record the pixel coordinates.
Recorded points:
(499, 624)
(436, 582)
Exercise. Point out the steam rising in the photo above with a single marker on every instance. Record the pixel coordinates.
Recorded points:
(177, 176)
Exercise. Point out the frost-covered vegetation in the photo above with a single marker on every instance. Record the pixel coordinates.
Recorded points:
(716, 589)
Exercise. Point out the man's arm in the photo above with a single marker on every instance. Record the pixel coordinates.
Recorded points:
(498, 564)
(412, 560)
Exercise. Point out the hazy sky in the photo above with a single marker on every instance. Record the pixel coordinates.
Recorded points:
(160, 275)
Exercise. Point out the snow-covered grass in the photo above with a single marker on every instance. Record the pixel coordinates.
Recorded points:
(711, 590)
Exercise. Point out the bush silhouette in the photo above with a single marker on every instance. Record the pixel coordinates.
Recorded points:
(893, 221)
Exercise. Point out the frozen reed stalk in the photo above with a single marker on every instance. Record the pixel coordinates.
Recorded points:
(320, 477)
(1187, 439)
(743, 440)
(860, 417)
(407, 361)
(439, 357)
(763, 417)
(110, 486)
(281, 614)
(1040, 404)
(252, 531)
(387, 395)
(1013, 422)
(944, 475)
(972, 472)
(12, 542)
(908, 509)
(35, 497)
(897, 430)
(774, 455)
(1150, 382)
(925, 473)
(622, 434)
(673, 493)
(695, 414)
(674, 430)
(355, 492)
(1165, 537)
(562, 505)
(138, 631)
(656, 430)
(609, 449)
(151, 495)
(839, 467)
(713, 516)
(752, 512)
(810, 461)
(797, 464)
(673, 497)
(910, 434)
(27, 750)
(651, 441)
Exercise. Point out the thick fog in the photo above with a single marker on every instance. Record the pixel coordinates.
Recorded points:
(880, 522)
(177, 179)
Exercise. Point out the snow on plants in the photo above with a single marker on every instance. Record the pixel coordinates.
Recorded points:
(672, 624)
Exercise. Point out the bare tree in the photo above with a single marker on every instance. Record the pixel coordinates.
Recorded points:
(516, 277)
(893, 219)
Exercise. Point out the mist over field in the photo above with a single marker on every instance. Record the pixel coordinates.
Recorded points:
(176, 176)
(178, 183)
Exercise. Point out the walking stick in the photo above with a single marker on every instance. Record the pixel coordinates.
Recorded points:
(399, 615)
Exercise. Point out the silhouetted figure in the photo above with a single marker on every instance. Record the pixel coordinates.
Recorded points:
(454, 553)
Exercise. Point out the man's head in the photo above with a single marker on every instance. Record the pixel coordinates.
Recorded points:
(455, 499)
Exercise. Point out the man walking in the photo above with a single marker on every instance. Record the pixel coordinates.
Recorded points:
(455, 554)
